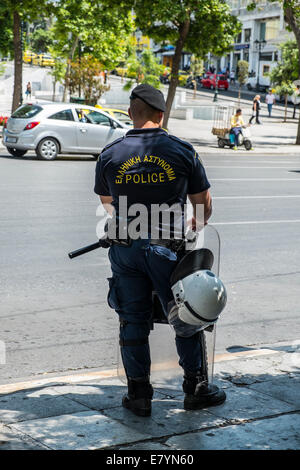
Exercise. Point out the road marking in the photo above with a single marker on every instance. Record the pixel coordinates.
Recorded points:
(78, 378)
(258, 197)
(259, 161)
(255, 179)
(252, 222)
(250, 167)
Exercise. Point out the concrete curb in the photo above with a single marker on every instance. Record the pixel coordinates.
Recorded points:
(262, 410)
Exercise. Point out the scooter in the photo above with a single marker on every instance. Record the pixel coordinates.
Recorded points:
(244, 138)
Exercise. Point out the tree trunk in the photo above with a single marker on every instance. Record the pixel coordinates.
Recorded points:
(291, 19)
(183, 32)
(17, 94)
(285, 107)
(298, 133)
(239, 96)
(70, 58)
(54, 87)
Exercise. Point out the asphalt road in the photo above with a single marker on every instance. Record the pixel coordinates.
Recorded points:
(54, 316)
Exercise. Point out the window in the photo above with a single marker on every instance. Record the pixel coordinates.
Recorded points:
(99, 118)
(27, 111)
(266, 56)
(247, 35)
(266, 70)
(238, 39)
(269, 29)
(65, 115)
(122, 117)
(272, 28)
(262, 31)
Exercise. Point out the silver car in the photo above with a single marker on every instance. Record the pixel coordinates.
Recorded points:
(54, 128)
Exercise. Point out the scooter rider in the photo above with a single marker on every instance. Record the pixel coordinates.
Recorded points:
(150, 167)
(237, 123)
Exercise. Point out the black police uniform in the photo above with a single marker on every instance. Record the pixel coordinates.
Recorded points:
(148, 166)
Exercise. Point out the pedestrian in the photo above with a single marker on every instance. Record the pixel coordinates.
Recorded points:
(148, 166)
(296, 99)
(237, 123)
(270, 100)
(232, 76)
(28, 90)
(255, 110)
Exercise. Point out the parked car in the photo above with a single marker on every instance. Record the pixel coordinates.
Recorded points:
(119, 114)
(28, 57)
(210, 81)
(54, 128)
(43, 60)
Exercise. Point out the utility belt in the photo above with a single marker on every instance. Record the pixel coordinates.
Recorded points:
(172, 244)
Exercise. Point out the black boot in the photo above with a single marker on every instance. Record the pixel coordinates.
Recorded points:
(200, 394)
(139, 396)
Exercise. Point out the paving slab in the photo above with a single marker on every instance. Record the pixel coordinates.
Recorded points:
(147, 446)
(80, 431)
(10, 440)
(168, 417)
(279, 433)
(243, 404)
(103, 394)
(286, 389)
(35, 404)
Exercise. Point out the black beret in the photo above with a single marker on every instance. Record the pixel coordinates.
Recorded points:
(150, 95)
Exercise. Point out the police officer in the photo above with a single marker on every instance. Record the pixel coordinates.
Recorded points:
(150, 167)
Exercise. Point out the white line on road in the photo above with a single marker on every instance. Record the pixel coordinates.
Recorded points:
(252, 222)
(250, 167)
(255, 179)
(258, 197)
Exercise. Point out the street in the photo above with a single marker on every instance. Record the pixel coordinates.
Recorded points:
(54, 313)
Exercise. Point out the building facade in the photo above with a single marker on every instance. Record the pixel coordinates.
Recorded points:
(263, 30)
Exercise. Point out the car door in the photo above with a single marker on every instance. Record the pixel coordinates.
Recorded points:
(62, 125)
(94, 130)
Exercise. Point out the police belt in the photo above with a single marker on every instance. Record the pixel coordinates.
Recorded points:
(173, 244)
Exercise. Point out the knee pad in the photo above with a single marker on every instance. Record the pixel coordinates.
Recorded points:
(134, 334)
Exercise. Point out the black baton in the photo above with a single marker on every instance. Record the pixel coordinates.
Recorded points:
(102, 243)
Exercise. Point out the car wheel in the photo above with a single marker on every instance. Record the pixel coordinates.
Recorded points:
(247, 144)
(16, 152)
(47, 149)
(249, 87)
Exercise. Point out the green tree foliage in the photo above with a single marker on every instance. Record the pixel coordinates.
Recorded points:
(16, 11)
(58, 72)
(102, 27)
(197, 66)
(286, 72)
(199, 26)
(145, 69)
(6, 33)
(86, 74)
(242, 75)
(41, 40)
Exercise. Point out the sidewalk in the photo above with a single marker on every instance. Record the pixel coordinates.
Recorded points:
(272, 137)
(262, 410)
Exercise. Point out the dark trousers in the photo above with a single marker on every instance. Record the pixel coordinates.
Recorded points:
(137, 271)
(256, 116)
